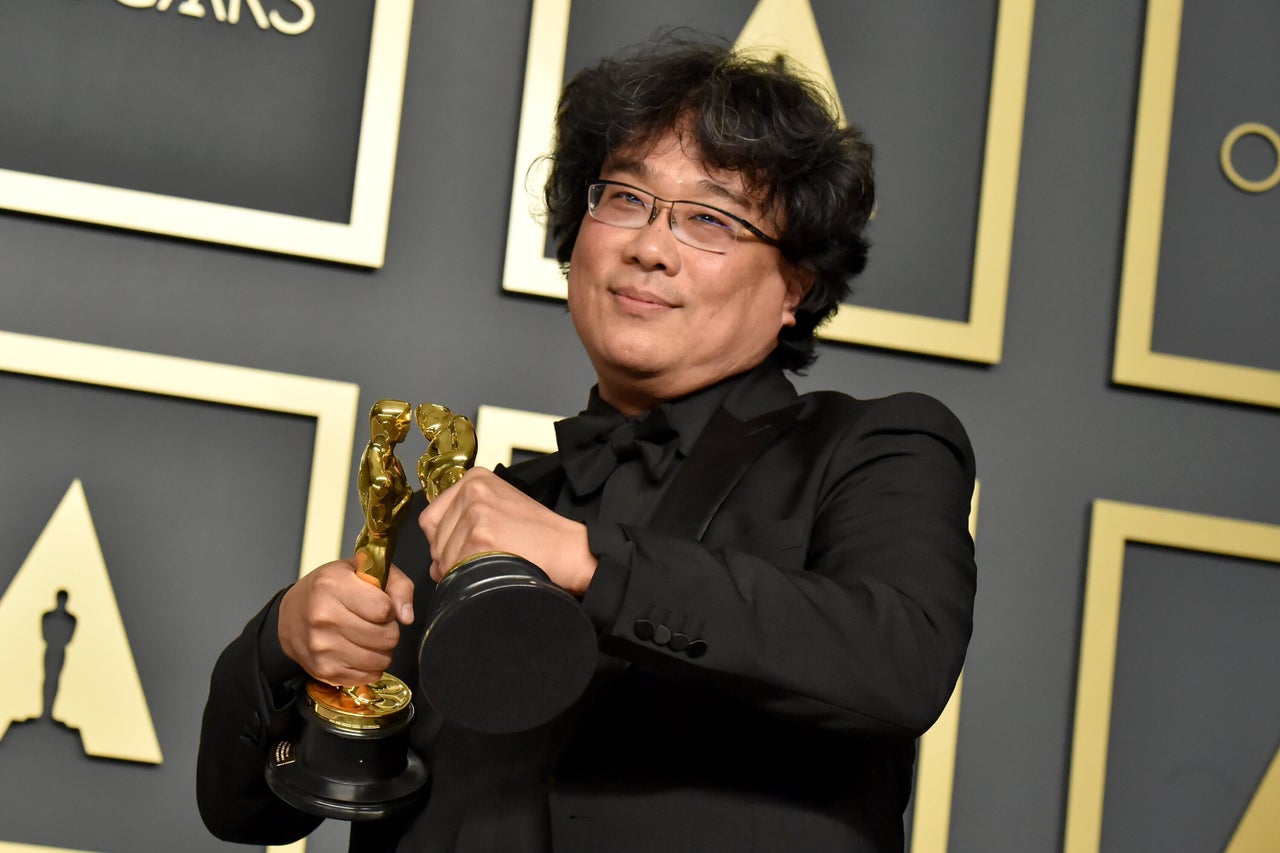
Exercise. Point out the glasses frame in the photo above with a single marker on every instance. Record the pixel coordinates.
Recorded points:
(671, 214)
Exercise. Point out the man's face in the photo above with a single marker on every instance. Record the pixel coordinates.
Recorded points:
(660, 319)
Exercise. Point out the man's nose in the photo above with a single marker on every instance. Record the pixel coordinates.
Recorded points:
(655, 245)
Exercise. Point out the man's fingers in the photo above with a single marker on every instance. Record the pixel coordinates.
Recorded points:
(363, 598)
(362, 669)
(348, 641)
(449, 522)
(336, 625)
(400, 591)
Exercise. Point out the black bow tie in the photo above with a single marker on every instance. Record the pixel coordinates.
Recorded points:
(592, 446)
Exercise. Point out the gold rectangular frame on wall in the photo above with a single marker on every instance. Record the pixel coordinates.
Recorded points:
(361, 241)
(980, 338)
(1114, 525)
(1135, 362)
(332, 404)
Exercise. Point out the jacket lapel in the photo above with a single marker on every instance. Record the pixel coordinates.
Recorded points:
(748, 422)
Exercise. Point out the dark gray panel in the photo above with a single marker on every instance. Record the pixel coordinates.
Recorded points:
(184, 106)
(1193, 723)
(199, 512)
(1219, 253)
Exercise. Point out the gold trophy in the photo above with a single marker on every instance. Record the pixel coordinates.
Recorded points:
(352, 759)
(504, 649)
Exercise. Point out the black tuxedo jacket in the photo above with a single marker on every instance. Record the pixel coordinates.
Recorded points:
(773, 642)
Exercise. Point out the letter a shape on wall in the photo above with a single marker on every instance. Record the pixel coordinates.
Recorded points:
(789, 25)
(1260, 827)
(99, 692)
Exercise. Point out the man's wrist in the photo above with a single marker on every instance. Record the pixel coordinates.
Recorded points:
(611, 548)
(278, 670)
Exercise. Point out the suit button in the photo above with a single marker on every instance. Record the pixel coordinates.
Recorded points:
(697, 648)
(662, 635)
(643, 629)
(679, 642)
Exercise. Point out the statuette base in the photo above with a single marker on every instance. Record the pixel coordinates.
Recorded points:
(350, 763)
(505, 649)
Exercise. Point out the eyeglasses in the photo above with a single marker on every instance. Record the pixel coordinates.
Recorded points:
(693, 223)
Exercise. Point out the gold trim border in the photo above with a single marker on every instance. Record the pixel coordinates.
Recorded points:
(502, 431)
(936, 759)
(333, 404)
(935, 779)
(979, 339)
(1135, 363)
(525, 268)
(1114, 525)
(362, 241)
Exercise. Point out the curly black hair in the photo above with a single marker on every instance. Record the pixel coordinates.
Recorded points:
(761, 118)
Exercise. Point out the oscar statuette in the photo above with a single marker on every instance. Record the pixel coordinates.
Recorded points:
(352, 759)
(505, 649)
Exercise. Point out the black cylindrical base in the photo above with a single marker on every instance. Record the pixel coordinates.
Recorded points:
(337, 773)
(505, 649)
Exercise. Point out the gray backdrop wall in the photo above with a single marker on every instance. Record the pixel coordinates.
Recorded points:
(199, 507)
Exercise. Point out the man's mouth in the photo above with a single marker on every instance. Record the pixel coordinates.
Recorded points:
(641, 298)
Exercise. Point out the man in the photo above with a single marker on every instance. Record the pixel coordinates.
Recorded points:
(782, 585)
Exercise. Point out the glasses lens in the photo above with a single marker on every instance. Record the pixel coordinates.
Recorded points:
(704, 227)
(615, 204)
(693, 224)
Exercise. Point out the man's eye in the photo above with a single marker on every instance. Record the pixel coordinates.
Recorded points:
(710, 219)
(622, 197)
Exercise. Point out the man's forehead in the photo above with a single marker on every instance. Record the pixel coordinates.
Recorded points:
(637, 158)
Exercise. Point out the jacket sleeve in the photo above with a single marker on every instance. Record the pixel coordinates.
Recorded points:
(244, 717)
(836, 587)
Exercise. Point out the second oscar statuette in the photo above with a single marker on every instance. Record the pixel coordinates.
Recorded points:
(504, 649)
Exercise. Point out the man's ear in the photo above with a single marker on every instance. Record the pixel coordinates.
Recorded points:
(798, 282)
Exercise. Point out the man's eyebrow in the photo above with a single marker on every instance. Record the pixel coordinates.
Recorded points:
(726, 193)
(641, 171)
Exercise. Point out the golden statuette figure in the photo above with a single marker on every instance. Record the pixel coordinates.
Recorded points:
(384, 492)
(451, 448)
(383, 488)
(352, 759)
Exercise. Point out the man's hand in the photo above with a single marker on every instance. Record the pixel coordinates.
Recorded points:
(483, 512)
(340, 627)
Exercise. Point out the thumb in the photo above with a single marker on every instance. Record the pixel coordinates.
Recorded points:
(400, 590)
